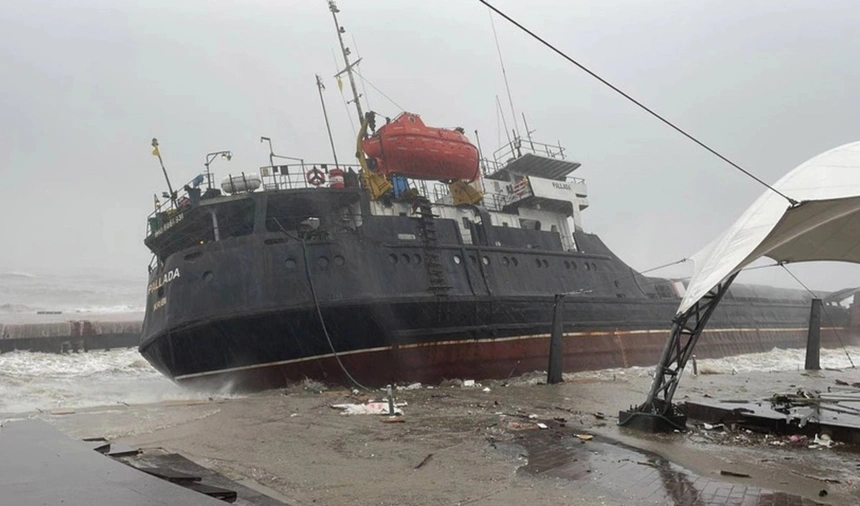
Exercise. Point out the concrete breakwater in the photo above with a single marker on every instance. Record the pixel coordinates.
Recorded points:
(71, 335)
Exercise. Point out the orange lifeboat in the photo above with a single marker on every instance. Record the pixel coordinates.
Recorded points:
(407, 147)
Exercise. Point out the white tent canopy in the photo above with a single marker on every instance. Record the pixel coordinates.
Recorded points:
(824, 226)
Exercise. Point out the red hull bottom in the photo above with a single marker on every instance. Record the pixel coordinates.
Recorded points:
(501, 358)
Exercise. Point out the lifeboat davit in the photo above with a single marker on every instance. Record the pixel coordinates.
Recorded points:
(408, 147)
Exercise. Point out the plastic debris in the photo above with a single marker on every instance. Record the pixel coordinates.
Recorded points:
(371, 408)
(709, 426)
(821, 442)
(542, 426)
(413, 386)
(468, 383)
(486, 390)
(521, 426)
(585, 437)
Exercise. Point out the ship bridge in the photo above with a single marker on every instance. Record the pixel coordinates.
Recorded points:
(534, 175)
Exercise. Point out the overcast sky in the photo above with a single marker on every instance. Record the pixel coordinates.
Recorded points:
(85, 85)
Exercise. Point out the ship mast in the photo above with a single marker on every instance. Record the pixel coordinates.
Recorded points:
(345, 50)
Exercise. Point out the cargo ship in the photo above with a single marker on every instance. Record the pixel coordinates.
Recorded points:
(425, 260)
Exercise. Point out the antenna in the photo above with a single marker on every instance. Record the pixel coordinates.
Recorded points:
(346, 52)
(504, 75)
(528, 133)
(157, 152)
(504, 122)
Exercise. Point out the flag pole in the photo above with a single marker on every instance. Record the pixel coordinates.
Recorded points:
(325, 115)
(157, 153)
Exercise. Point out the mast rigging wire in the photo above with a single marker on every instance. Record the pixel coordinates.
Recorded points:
(504, 74)
(363, 80)
(636, 102)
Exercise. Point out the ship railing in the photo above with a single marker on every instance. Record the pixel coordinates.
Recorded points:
(189, 195)
(278, 177)
(519, 146)
(300, 175)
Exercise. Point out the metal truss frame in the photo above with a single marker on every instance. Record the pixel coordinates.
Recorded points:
(687, 327)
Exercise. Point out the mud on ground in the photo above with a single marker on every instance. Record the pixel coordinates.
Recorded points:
(474, 446)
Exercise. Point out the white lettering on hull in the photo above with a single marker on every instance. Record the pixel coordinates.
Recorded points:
(167, 278)
(167, 225)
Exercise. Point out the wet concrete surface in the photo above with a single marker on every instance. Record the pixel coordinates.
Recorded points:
(600, 465)
(485, 446)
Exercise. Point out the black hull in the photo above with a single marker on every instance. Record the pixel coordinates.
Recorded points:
(429, 341)
(399, 306)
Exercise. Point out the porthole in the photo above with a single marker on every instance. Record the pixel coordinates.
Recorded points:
(417, 259)
(537, 261)
(505, 261)
(566, 264)
(617, 284)
(515, 261)
(593, 266)
(392, 258)
(486, 260)
(290, 263)
(457, 259)
(208, 275)
(339, 260)
(405, 258)
(322, 262)
(587, 266)
(545, 263)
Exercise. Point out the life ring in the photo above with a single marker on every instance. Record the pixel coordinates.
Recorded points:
(315, 177)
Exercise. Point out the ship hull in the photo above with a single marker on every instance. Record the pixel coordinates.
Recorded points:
(409, 342)
(410, 296)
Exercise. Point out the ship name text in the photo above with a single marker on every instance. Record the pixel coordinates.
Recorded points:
(163, 280)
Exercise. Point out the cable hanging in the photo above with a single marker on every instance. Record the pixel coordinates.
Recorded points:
(317, 306)
(824, 309)
(665, 265)
(636, 102)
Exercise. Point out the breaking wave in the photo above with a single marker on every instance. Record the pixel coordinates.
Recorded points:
(45, 381)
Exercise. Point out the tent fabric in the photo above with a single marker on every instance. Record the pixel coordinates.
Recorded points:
(825, 225)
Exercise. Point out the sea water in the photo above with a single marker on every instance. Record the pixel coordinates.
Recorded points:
(24, 293)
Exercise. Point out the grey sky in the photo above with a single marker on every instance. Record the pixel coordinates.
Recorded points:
(85, 85)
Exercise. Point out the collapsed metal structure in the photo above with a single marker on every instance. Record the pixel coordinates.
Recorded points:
(820, 222)
(658, 413)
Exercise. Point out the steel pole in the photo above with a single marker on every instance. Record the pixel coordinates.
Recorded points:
(556, 350)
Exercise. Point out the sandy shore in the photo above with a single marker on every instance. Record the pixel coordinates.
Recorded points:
(294, 443)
